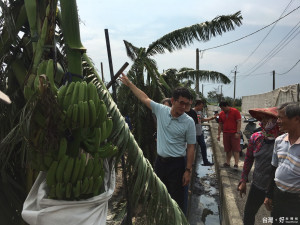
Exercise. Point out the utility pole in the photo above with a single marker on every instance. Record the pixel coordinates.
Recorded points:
(202, 90)
(273, 79)
(221, 89)
(197, 69)
(234, 85)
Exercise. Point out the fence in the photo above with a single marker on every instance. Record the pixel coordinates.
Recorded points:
(270, 99)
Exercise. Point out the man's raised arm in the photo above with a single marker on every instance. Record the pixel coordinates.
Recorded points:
(137, 92)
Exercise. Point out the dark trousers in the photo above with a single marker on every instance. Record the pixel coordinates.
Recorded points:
(254, 201)
(201, 143)
(171, 173)
(285, 206)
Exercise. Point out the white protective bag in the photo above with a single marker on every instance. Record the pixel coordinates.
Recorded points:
(40, 210)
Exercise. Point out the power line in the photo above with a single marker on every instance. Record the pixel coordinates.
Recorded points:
(285, 41)
(218, 46)
(266, 35)
(258, 74)
(289, 69)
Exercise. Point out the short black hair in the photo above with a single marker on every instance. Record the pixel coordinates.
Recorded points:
(223, 104)
(166, 100)
(199, 102)
(292, 109)
(183, 92)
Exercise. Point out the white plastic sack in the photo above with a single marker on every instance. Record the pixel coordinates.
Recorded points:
(39, 210)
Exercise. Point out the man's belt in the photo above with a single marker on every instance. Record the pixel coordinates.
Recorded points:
(169, 159)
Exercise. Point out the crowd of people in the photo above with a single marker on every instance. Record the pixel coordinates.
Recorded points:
(274, 151)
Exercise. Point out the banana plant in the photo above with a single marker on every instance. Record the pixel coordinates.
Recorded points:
(22, 64)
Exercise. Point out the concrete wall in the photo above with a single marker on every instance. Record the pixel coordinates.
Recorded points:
(270, 99)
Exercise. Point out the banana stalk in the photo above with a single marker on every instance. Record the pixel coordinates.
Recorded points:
(70, 27)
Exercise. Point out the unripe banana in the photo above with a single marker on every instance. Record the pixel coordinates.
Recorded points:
(74, 99)
(92, 110)
(84, 185)
(89, 168)
(68, 120)
(42, 68)
(61, 168)
(60, 190)
(28, 92)
(76, 189)
(68, 96)
(91, 91)
(68, 170)
(61, 94)
(51, 174)
(75, 116)
(97, 168)
(68, 190)
(63, 145)
(103, 131)
(97, 139)
(82, 166)
(86, 114)
(102, 113)
(109, 126)
(76, 170)
(82, 90)
(91, 185)
(85, 96)
(97, 185)
(81, 114)
(52, 191)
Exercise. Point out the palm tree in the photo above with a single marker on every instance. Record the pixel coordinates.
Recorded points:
(153, 83)
(186, 77)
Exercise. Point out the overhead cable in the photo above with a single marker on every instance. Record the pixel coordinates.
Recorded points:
(266, 35)
(285, 41)
(251, 33)
(289, 69)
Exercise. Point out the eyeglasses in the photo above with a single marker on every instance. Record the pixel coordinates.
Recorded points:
(185, 104)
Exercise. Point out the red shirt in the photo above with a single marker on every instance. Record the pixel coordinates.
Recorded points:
(229, 120)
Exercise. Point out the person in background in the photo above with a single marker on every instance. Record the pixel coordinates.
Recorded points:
(176, 138)
(167, 102)
(230, 125)
(283, 196)
(199, 105)
(259, 151)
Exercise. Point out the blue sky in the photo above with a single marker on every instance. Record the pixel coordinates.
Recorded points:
(142, 22)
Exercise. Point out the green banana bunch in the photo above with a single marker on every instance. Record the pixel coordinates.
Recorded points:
(82, 105)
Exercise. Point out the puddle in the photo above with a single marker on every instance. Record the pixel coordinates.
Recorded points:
(204, 198)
